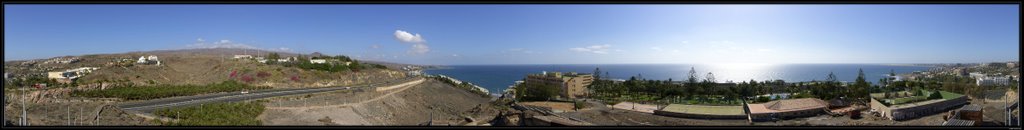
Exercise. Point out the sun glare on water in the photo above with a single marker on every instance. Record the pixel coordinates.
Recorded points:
(738, 72)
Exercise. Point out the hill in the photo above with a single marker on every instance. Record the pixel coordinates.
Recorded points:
(196, 66)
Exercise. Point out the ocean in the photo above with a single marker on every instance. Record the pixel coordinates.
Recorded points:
(497, 78)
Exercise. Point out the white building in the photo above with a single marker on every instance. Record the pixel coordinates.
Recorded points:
(242, 56)
(151, 59)
(977, 75)
(71, 74)
(142, 60)
(317, 61)
(992, 81)
(261, 60)
(289, 59)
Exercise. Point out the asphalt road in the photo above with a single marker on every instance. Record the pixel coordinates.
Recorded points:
(148, 106)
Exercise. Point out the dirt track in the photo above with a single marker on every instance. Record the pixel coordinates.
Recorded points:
(411, 105)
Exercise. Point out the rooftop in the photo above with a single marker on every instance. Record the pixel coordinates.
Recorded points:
(926, 97)
(972, 107)
(958, 122)
(787, 105)
(705, 109)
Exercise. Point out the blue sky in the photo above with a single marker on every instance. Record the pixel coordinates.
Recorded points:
(532, 34)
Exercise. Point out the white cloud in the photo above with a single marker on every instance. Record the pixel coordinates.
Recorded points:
(419, 45)
(408, 37)
(656, 48)
(455, 55)
(200, 40)
(219, 44)
(419, 48)
(374, 46)
(596, 49)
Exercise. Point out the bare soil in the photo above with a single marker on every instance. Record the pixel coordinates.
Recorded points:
(405, 106)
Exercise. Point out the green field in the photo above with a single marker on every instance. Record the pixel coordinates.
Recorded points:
(217, 114)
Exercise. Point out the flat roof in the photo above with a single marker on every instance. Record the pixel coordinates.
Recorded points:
(971, 107)
(705, 109)
(787, 105)
(638, 107)
(958, 122)
(914, 104)
(909, 101)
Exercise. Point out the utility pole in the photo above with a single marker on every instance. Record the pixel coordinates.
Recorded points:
(24, 112)
(69, 111)
(80, 110)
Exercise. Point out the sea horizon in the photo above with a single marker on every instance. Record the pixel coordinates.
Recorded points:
(498, 77)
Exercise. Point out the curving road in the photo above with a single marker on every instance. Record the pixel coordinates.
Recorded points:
(148, 106)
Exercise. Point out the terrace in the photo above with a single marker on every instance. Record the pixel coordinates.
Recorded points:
(905, 99)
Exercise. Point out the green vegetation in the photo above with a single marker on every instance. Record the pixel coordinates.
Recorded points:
(690, 91)
(464, 85)
(163, 91)
(580, 104)
(217, 114)
(32, 80)
(536, 92)
(708, 92)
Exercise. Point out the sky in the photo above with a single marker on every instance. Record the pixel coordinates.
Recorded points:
(467, 34)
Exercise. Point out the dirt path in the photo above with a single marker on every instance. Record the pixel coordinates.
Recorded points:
(411, 103)
(402, 87)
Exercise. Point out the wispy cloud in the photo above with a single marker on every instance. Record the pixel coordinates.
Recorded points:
(656, 48)
(519, 50)
(419, 45)
(200, 43)
(596, 49)
(284, 49)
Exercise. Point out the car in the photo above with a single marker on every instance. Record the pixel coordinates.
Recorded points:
(348, 87)
(245, 92)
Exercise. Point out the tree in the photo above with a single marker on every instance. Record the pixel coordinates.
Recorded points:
(606, 76)
(272, 58)
(691, 83)
(860, 86)
(536, 92)
(693, 76)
